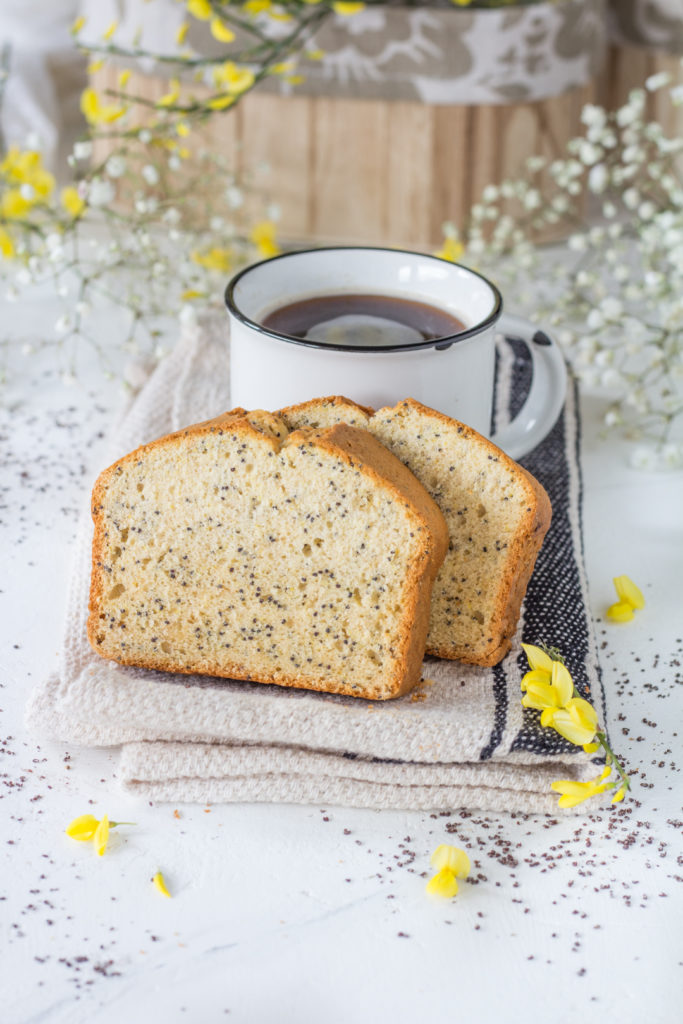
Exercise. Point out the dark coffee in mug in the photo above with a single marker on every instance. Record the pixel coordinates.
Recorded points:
(362, 321)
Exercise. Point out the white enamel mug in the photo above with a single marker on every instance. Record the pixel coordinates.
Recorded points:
(454, 374)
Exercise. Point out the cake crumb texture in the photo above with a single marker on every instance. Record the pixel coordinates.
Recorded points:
(238, 549)
(497, 516)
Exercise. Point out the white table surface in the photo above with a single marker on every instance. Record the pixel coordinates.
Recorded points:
(318, 915)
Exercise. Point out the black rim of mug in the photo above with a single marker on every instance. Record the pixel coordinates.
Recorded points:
(439, 343)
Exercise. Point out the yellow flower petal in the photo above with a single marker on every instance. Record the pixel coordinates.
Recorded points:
(347, 7)
(619, 795)
(538, 659)
(72, 202)
(583, 713)
(78, 25)
(110, 30)
(192, 293)
(95, 65)
(201, 9)
(159, 883)
(452, 857)
(255, 7)
(13, 206)
(171, 97)
(574, 793)
(181, 33)
(217, 259)
(124, 77)
(220, 31)
(221, 102)
(262, 235)
(7, 249)
(622, 611)
(182, 129)
(82, 828)
(443, 884)
(101, 836)
(627, 591)
(567, 726)
(534, 677)
(590, 748)
(562, 683)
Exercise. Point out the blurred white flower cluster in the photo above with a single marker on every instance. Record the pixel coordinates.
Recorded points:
(614, 292)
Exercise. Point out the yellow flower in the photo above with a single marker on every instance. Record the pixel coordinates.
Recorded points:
(346, 7)
(573, 793)
(124, 77)
(451, 250)
(577, 721)
(538, 660)
(13, 206)
(78, 25)
(192, 293)
(95, 65)
(110, 31)
(282, 68)
(201, 9)
(88, 827)
(257, 6)
(182, 129)
(451, 863)
(628, 592)
(548, 690)
(295, 79)
(620, 611)
(315, 54)
(181, 33)
(213, 259)
(171, 97)
(220, 31)
(619, 795)
(221, 102)
(443, 884)
(25, 167)
(101, 836)
(97, 112)
(263, 237)
(82, 828)
(233, 79)
(159, 883)
(7, 249)
(453, 858)
(72, 202)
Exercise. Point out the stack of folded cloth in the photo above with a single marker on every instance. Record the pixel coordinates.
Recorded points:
(459, 739)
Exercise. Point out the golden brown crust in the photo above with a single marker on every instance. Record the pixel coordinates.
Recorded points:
(358, 449)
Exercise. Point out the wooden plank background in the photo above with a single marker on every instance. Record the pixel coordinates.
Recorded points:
(391, 173)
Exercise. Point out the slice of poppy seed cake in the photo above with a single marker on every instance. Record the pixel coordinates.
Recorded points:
(497, 516)
(235, 548)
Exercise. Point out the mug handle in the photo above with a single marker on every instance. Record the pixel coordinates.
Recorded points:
(543, 404)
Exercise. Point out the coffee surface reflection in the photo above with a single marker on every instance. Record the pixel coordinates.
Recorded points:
(363, 321)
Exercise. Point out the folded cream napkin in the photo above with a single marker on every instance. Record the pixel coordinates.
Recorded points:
(461, 739)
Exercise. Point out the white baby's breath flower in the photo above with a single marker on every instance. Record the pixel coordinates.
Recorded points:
(657, 81)
(577, 243)
(631, 198)
(234, 197)
(115, 166)
(100, 192)
(598, 178)
(150, 174)
(63, 324)
(82, 150)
